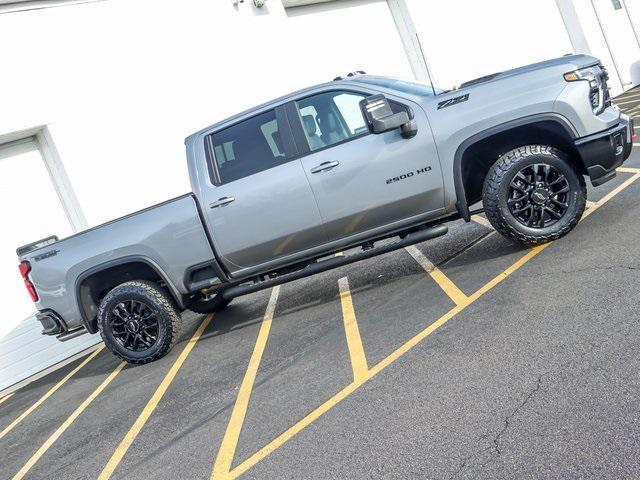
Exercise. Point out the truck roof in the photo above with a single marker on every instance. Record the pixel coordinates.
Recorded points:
(572, 61)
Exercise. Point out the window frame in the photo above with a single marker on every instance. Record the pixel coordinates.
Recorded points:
(293, 112)
(297, 128)
(284, 128)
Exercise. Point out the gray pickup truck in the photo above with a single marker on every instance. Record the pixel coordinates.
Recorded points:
(280, 188)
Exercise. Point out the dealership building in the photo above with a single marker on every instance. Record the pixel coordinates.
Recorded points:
(96, 97)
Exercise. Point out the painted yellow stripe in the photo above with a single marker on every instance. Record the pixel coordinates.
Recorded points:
(636, 144)
(349, 389)
(62, 428)
(151, 405)
(222, 465)
(481, 220)
(5, 398)
(354, 342)
(51, 391)
(612, 194)
(445, 283)
(628, 170)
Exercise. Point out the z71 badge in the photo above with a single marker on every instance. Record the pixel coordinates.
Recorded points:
(404, 176)
(453, 101)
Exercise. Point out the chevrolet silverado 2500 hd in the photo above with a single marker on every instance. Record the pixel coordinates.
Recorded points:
(279, 188)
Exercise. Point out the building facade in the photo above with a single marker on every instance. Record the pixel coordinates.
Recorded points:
(97, 96)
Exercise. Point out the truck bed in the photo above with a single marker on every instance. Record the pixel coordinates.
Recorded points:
(168, 236)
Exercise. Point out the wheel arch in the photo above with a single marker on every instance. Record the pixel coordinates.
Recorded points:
(95, 282)
(484, 148)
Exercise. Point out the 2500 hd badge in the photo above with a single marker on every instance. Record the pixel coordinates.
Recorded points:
(404, 176)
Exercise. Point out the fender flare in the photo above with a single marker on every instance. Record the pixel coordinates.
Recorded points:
(461, 197)
(175, 294)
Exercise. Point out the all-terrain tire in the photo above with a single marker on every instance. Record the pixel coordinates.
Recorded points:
(156, 300)
(496, 194)
(212, 305)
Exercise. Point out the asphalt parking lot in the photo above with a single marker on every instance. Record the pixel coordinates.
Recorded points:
(499, 362)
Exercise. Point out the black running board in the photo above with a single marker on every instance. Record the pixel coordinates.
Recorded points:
(63, 337)
(335, 262)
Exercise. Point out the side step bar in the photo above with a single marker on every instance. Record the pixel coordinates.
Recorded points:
(335, 262)
(63, 337)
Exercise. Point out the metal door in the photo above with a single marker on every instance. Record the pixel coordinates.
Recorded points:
(364, 181)
(261, 206)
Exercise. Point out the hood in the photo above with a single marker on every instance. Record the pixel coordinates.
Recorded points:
(572, 62)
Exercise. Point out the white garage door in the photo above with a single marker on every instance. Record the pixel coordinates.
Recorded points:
(463, 40)
(31, 210)
(334, 38)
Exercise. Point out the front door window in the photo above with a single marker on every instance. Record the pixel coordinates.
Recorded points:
(332, 117)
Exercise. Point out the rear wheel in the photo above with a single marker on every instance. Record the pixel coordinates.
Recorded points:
(534, 195)
(139, 322)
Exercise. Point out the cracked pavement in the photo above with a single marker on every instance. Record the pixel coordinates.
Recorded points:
(538, 378)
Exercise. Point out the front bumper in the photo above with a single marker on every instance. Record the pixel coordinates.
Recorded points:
(603, 152)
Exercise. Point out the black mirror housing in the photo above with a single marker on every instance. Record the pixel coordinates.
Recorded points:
(381, 118)
(409, 129)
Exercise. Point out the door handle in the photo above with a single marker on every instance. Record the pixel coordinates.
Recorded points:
(221, 202)
(324, 166)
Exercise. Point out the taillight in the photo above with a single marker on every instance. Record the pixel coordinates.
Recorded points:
(25, 268)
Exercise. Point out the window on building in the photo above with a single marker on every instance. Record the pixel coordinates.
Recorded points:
(332, 117)
(247, 147)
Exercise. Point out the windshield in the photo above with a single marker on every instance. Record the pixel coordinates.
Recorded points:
(413, 88)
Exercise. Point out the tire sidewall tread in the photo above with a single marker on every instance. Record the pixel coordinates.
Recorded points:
(166, 311)
(494, 190)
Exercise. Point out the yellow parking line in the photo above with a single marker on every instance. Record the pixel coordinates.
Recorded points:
(628, 170)
(482, 221)
(227, 450)
(450, 288)
(354, 342)
(5, 398)
(349, 389)
(151, 405)
(53, 389)
(612, 194)
(61, 429)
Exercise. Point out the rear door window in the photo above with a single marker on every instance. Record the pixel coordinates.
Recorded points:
(246, 148)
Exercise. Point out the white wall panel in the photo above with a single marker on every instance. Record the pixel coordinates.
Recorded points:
(465, 39)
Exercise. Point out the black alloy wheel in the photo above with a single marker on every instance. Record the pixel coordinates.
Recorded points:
(139, 321)
(538, 195)
(534, 194)
(134, 324)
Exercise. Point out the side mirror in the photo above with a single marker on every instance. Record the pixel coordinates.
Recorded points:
(381, 118)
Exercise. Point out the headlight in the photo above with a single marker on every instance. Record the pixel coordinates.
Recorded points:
(597, 76)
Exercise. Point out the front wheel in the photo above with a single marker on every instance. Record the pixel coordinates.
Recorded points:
(534, 195)
(138, 321)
